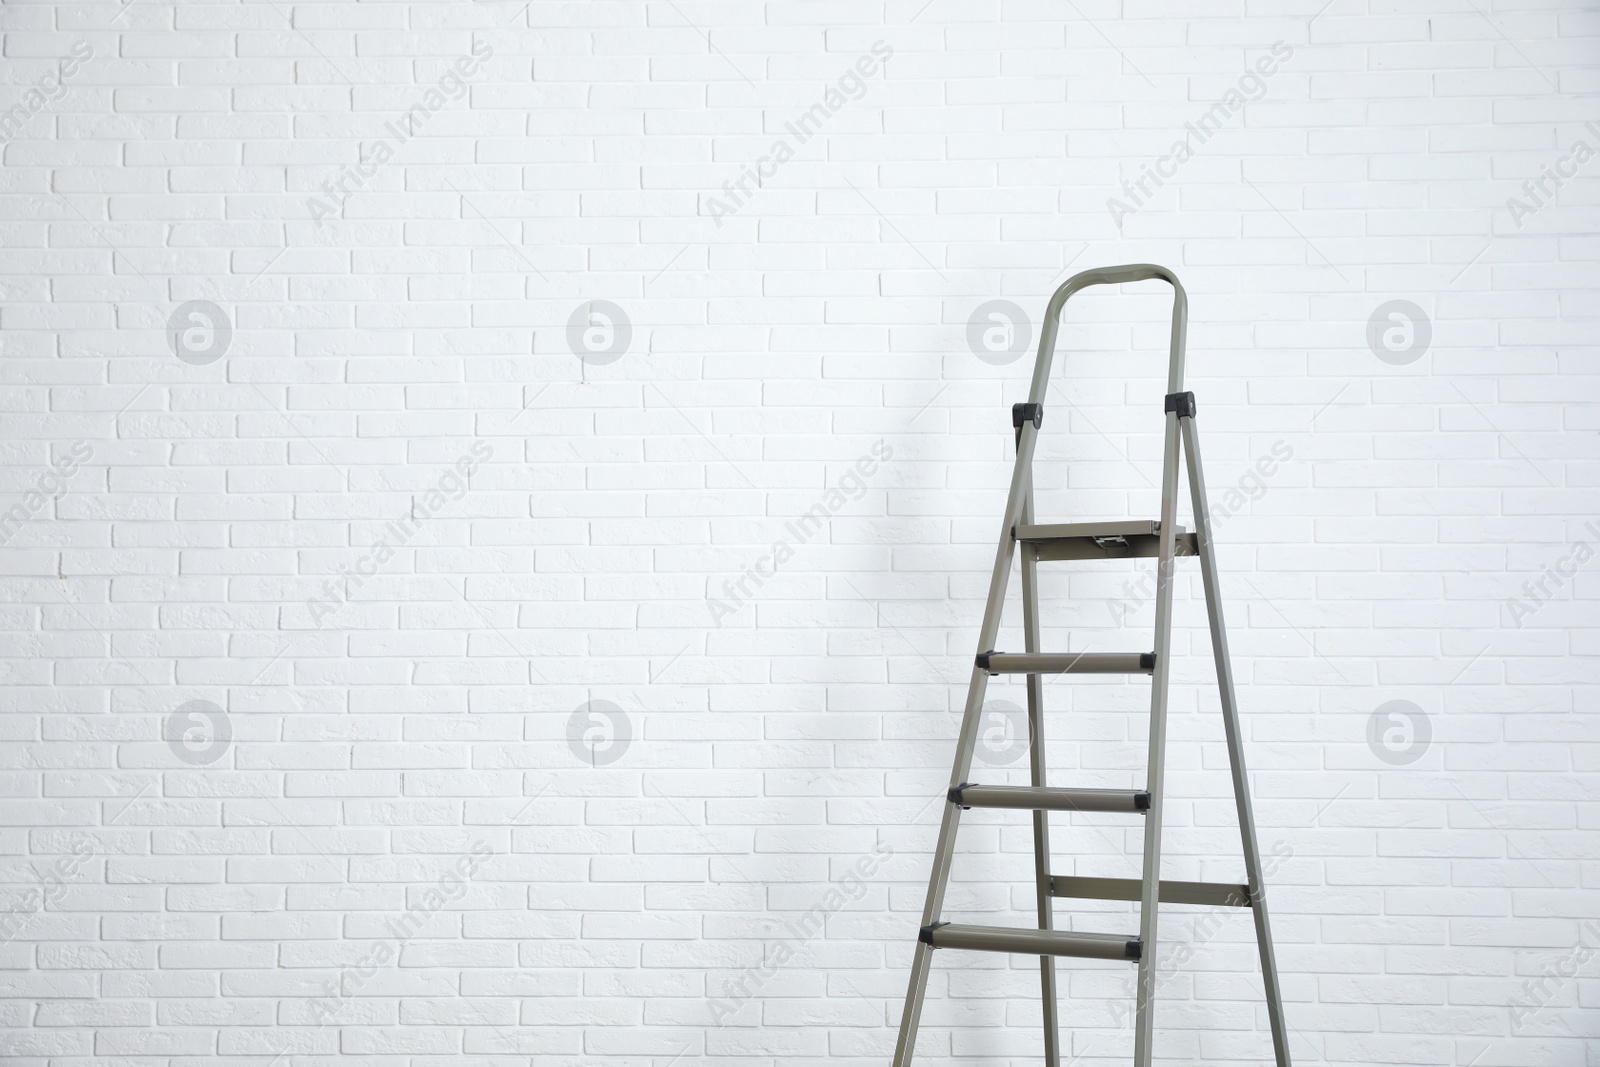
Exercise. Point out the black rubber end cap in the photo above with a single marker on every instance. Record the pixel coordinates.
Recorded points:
(1021, 413)
(1135, 949)
(1182, 403)
(1147, 661)
(925, 935)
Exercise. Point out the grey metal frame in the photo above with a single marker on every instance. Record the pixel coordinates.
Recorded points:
(1165, 540)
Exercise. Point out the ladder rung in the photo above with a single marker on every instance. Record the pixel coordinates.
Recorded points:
(1215, 894)
(1067, 662)
(1102, 540)
(1030, 942)
(1037, 798)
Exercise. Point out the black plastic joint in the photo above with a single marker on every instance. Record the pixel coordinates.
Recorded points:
(1141, 801)
(1021, 413)
(983, 660)
(1182, 403)
(1147, 661)
(925, 935)
(1134, 949)
(954, 796)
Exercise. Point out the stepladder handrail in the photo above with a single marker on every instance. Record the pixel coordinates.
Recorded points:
(1129, 272)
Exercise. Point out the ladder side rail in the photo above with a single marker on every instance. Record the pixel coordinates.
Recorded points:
(1041, 817)
(1150, 891)
(1230, 725)
(944, 848)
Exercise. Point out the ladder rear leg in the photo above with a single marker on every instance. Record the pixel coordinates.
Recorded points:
(1230, 724)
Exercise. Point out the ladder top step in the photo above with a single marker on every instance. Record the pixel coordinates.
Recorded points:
(1103, 540)
(1051, 531)
(1031, 942)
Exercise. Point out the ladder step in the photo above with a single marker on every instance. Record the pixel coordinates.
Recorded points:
(1031, 942)
(1067, 662)
(1102, 540)
(1041, 798)
(1214, 894)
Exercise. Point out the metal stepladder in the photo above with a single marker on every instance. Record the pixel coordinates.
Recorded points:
(1164, 540)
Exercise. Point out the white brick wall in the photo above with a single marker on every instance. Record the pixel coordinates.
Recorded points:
(507, 752)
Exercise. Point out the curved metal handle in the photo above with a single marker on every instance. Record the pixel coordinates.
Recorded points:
(1130, 272)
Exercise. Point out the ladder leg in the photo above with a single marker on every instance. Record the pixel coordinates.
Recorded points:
(1230, 723)
(921, 960)
(944, 849)
(943, 853)
(1144, 1017)
(1041, 821)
